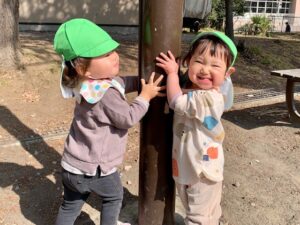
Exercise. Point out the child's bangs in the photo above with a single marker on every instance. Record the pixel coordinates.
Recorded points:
(216, 48)
(212, 44)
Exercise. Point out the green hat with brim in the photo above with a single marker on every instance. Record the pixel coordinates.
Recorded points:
(82, 38)
(226, 40)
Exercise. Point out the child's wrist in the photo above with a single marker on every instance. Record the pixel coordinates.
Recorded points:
(173, 74)
(145, 96)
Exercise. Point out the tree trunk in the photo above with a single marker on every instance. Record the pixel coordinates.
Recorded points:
(229, 19)
(9, 37)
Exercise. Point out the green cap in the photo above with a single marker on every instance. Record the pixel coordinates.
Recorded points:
(82, 38)
(227, 41)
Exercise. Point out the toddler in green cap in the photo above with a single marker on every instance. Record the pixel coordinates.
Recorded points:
(96, 141)
(197, 157)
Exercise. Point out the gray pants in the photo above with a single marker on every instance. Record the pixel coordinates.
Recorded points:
(77, 188)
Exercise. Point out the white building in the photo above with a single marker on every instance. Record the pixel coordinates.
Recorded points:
(123, 14)
(278, 11)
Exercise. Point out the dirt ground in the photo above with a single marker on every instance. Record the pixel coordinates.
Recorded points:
(262, 147)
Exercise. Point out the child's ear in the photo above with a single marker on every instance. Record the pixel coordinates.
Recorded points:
(79, 70)
(87, 74)
(230, 71)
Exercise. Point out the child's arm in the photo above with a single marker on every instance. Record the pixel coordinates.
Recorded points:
(169, 64)
(116, 111)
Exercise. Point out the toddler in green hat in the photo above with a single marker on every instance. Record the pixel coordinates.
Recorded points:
(197, 157)
(96, 141)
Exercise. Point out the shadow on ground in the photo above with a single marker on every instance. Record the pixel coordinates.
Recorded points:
(260, 116)
(40, 189)
(36, 190)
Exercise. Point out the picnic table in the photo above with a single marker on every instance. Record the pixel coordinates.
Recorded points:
(292, 91)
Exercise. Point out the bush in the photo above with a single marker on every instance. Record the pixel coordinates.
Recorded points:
(260, 25)
(245, 29)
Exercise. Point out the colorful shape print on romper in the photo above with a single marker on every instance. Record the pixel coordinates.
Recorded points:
(175, 170)
(220, 137)
(210, 122)
(212, 152)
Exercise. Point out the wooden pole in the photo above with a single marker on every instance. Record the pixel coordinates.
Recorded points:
(160, 30)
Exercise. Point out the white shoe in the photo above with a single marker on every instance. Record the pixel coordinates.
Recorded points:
(120, 223)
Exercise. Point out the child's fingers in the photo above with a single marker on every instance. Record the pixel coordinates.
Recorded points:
(158, 80)
(162, 88)
(160, 60)
(171, 55)
(150, 81)
(143, 82)
(161, 94)
(164, 56)
(161, 65)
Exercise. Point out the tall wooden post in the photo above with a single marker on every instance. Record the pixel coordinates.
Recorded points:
(160, 30)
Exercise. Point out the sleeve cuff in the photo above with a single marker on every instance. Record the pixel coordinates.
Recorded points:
(173, 100)
(143, 101)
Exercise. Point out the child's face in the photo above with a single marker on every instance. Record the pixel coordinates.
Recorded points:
(206, 71)
(103, 67)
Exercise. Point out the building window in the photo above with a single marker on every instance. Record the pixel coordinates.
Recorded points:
(268, 6)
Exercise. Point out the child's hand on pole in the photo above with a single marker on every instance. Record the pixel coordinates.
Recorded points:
(168, 63)
(151, 89)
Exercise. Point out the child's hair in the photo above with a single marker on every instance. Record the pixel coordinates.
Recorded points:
(70, 76)
(216, 45)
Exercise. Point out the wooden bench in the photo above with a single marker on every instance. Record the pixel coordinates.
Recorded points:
(292, 91)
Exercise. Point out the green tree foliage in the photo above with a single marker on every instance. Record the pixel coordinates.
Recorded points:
(217, 15)
(261, 25)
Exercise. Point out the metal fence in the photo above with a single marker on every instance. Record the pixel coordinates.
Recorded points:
(278, 23)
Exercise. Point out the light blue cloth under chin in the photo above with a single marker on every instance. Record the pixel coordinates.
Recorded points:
(227, 91)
